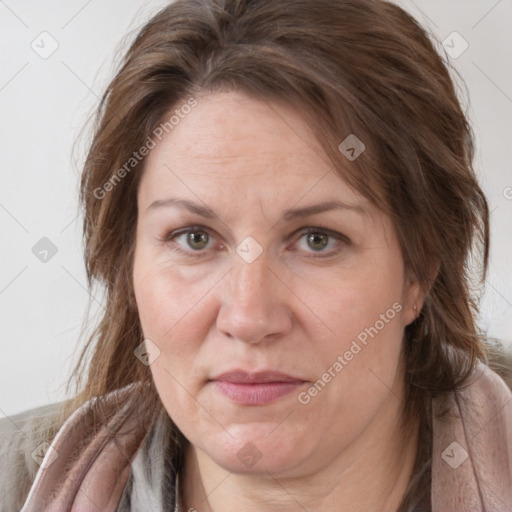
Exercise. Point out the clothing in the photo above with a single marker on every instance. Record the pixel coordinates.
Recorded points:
(124, 465)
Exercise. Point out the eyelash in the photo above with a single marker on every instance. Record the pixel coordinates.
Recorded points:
(171, 235)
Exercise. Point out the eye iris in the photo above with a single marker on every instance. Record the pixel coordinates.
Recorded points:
(197, 239)
(317, 241)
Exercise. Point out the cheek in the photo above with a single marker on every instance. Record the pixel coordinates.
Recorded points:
(359, 370)
(167, 297)
(364, 314)
(166, 321)
(349, 301)
(173, 311)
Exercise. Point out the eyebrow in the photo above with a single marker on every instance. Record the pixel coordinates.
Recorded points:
(290, 214)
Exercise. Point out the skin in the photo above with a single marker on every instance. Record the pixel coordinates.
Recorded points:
(249, 161)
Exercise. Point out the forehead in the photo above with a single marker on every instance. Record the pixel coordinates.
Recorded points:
(231, 144)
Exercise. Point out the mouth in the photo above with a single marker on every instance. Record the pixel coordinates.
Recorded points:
(258, 388)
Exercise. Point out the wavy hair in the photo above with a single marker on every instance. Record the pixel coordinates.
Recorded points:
(362, 67)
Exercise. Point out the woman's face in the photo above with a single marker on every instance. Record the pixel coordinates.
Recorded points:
(227, 279)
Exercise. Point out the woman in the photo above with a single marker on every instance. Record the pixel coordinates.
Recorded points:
(280, 202)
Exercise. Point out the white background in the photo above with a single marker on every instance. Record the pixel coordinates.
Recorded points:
(45, 102)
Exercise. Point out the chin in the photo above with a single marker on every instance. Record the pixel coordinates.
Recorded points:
(251, 449)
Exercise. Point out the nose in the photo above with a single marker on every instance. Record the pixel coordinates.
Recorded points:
(255, 303)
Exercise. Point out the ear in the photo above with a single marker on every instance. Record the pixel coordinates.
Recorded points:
(415, 294)
(414, 298)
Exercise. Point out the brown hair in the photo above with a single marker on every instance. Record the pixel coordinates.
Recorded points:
(362, 67)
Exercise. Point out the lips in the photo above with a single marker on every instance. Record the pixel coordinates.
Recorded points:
(262, 377)
(258, 388)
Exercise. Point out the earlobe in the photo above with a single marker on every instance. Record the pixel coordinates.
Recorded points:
(414, 301)
(417, 306)
(416, 293)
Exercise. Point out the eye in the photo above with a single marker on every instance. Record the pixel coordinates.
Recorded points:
(195, 241)
(325, 242)
(192, 241)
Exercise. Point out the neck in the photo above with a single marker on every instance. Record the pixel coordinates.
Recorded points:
(370, 474)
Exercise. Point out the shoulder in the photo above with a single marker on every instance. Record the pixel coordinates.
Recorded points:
(486, 391)
(472, 444)
(487, 378)
(500, 361)
(93, 450)
(24, 438)
(486, 399)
